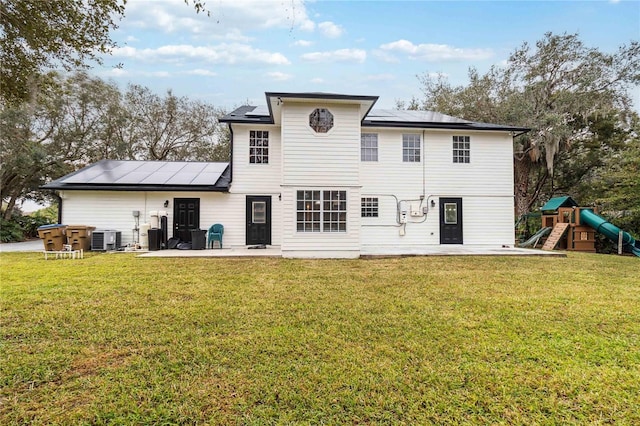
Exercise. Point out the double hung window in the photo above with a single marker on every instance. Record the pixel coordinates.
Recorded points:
(411, 148)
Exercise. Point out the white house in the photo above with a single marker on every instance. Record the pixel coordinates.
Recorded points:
(320, 175)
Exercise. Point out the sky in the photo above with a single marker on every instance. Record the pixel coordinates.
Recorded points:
(248, 47)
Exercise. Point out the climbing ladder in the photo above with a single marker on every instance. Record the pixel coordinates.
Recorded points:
(556, 235)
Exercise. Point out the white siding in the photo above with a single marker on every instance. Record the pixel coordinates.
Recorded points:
(485, 186)
(320, 161)
(300, 159)
(113, 210)
(320, 244)
(311, 158)
(256, 179)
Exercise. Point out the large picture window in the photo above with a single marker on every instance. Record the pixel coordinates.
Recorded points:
(321, 211)
(461, 149)
(411, 148)
(369, 147)
(258, 147)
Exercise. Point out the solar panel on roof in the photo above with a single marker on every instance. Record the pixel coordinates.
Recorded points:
(261, 110)
(182, 178)
(85, 175)
(215, 168)
(205, 179)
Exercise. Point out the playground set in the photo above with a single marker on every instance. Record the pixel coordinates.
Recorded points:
(567, 226)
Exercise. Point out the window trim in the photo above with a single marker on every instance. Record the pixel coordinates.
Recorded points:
(369, 207)
(261, 136)
(411, 154)
(461, 149)
(323, 120)
(369, 153)
(321, 211)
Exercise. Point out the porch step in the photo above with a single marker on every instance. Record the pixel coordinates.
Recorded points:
(556, 235)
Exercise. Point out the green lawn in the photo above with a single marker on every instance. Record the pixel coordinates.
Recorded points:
(115, 339)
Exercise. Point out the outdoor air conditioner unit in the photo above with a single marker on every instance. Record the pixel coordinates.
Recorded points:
(105, 240)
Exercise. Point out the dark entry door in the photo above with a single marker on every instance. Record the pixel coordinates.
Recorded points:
(258, 220)
(450, 220)
(186, 216)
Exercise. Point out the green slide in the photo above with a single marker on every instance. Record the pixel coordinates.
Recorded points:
(610, 231)
(533, 241)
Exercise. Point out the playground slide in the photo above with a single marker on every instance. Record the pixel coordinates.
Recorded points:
(610, 231)
(531, 242)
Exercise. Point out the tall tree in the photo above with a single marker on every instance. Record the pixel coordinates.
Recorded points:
(82, 119)
(556, 88)
(171, 127)
(36, 36)
(52, 134)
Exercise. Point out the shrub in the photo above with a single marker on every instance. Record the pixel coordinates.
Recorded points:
(10, 231)
(20, 227)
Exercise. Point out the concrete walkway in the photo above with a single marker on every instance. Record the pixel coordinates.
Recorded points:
(274, 251)
(31, 245)
(390, 251)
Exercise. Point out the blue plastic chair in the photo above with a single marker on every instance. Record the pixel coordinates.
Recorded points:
(215, 234)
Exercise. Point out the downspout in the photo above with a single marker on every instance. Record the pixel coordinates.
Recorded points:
(59, 199)
(230, 155)
(424, 165)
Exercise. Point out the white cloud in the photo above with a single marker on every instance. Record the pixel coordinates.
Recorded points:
(201, 72)
(131, 39)
(317, 80)
(341, 55)
(225, 53)
(161, 74)
(385, 56)
(279, 76)
(116, 72)
(331, 30)
(226, 17)
(303, 43)
(436, 52)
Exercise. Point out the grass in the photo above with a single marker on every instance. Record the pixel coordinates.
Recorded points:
(115, 339)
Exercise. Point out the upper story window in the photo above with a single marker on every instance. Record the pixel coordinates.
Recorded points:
(369, 207)
(321, 211)
(258, 147)
(411, 148)
(369, 147)
(461, 149)
(321, 120)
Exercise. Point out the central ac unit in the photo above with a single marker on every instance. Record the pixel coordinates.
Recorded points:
(105, 240)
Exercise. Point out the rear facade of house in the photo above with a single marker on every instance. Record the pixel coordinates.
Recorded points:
(325, 175)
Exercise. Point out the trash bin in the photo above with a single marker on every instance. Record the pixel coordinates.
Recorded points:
(198, 239)
(79, 236)
(52, 236)
(155, 235)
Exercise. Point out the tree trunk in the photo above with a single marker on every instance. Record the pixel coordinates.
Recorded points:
(522, 168)
(10, 205)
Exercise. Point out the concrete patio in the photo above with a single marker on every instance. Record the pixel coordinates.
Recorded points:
(274, 251)
(450, 250)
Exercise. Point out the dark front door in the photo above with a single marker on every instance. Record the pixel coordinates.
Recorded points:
(258, 220)
(450, 220)
(186, 216)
